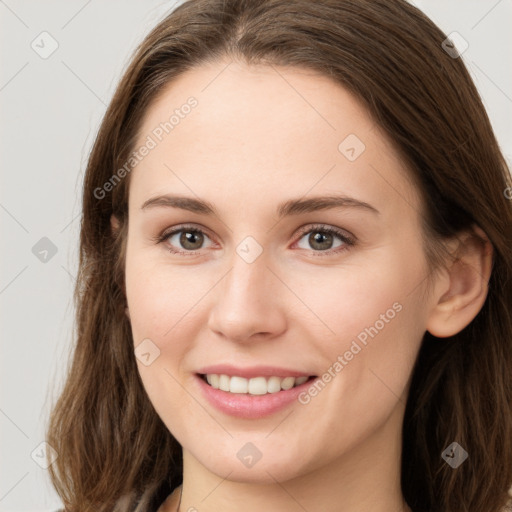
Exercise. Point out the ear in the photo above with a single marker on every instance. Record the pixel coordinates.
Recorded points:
(114, 224)
(466, 286)
(114, 228)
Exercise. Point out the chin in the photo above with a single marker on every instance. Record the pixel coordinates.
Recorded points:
(262, 472)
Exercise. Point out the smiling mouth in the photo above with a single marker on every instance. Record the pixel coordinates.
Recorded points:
(254, 386)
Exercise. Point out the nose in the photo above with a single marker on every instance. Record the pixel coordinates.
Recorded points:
(249, 302)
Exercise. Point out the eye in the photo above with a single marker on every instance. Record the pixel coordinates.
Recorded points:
(189, 238)
(322, 237)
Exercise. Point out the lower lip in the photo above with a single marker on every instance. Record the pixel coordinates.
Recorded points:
(248, 406)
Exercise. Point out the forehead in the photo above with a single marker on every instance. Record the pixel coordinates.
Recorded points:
(267, 132)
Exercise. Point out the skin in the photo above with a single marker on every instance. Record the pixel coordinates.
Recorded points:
(292, 306)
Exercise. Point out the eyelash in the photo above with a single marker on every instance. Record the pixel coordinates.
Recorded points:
(348, 241)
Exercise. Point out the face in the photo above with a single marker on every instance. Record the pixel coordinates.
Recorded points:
(332, 294)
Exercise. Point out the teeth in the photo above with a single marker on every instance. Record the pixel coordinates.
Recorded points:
(238, 385)
(213, 380)
(257, 386)
(224, 382)
(287, 383)
(274, 384)
(254, 386)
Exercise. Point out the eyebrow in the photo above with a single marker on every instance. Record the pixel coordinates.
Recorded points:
(290, 207)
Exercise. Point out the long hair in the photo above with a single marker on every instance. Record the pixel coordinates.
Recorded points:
(114, 452)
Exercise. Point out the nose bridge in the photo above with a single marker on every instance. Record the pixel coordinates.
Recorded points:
(246, 300)
(248, 262)
(247, 284)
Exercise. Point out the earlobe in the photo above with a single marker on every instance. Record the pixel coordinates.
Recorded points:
(469, 275)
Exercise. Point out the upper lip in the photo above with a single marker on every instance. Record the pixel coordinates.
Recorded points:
(252, 371)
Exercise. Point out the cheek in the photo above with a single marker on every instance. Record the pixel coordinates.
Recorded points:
(161, 297)
(371, 317)
(378, 290)
(158, 313)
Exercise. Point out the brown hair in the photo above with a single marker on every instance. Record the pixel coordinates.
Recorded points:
(114, 451)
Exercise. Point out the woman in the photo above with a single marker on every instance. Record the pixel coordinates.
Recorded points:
(295, 261)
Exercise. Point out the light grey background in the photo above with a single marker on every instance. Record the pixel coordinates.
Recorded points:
(50, 111)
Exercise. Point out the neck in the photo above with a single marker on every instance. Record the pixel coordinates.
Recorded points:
(367, 477)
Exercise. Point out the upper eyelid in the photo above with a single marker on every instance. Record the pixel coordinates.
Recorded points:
(190, 227)
(320, 227)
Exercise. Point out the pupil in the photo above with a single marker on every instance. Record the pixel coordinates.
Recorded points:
(317, 238)
(188, 237)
